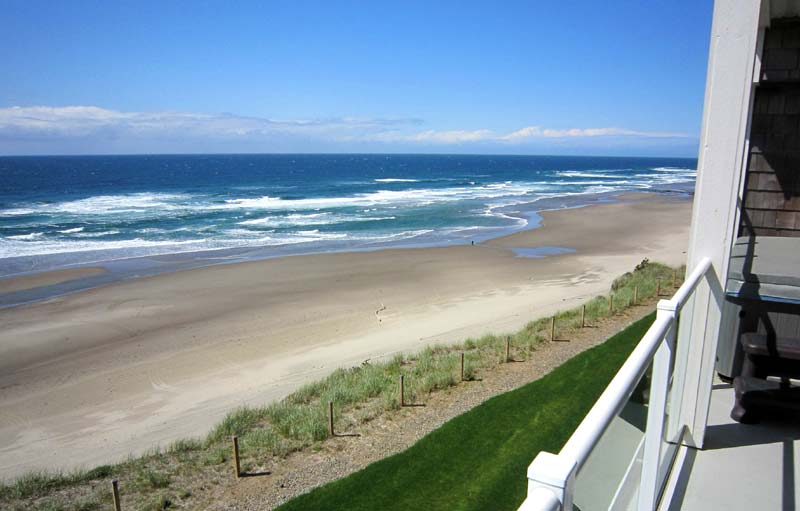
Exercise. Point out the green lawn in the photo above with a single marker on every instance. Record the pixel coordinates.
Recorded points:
(478, 460)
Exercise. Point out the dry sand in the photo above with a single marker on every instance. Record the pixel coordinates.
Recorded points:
(89, 378)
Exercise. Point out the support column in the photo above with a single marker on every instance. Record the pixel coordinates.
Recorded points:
(732, 69)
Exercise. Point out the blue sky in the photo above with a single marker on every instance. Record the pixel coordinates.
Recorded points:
(528, 77)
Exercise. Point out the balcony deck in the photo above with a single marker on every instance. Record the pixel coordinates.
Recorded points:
(742, 467)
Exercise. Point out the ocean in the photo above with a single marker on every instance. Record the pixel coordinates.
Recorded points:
(65, 211)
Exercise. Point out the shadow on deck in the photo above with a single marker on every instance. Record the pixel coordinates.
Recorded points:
(742, 467)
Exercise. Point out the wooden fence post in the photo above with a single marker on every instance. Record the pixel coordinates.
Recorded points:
(635, 294)
(610, 304)
(115, 494)
(553, 329)
(583, 316)
(402, 391)
(674, 279)
(508, 349)
(658, 288)
(330, 418)
(462, 366)
(236, 465)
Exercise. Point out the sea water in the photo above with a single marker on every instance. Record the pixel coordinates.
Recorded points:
(62, 211)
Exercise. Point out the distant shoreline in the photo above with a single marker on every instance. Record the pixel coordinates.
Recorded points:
(15, 292)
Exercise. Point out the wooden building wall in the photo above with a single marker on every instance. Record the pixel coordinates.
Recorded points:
(772, 186)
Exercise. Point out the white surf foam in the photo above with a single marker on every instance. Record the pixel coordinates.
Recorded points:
(416, 197)
(102, 205)
(31, 236)
(576, 173)
(673, 169)
(298, 220)
(98, 234)
(17, 248)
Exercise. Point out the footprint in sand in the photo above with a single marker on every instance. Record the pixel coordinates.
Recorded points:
(378, 312)
(160, 385)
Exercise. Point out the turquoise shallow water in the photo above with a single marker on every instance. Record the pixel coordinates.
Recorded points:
(59, 212)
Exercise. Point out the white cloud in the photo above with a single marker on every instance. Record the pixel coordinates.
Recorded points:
(64, 124)
(520, 136)
(81, 121)
(532, 132)
(435, 137)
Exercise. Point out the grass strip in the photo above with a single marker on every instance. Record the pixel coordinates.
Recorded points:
(478, 460)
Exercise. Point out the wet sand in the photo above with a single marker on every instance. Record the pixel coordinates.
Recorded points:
(51, 278)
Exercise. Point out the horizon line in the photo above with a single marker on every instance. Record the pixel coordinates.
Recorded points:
(344, 153)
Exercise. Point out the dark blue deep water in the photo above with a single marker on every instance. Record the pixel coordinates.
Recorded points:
(59, 211)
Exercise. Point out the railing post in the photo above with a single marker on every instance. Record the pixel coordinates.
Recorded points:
(540, 499)
(556, 473)
(680, 355)
(654, 433)
(551, 478)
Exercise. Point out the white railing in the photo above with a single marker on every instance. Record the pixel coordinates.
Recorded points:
(551, 477)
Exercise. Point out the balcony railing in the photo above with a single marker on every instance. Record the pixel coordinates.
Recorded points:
(644, 448)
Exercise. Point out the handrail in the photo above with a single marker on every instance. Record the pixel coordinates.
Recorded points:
(690, 284)
(554, 475)
(608, 405)
(540, 499)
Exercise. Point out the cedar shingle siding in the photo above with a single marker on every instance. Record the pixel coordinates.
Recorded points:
(772, 188)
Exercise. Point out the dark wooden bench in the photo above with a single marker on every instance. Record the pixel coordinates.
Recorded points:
(765, 356)
(755, 397)
(756, 344)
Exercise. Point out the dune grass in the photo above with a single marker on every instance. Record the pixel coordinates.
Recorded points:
(175, 476)
(503, 434)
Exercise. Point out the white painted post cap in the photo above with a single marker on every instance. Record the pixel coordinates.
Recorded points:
(551, 470)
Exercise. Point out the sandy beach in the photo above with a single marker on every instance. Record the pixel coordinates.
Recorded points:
(89, 378)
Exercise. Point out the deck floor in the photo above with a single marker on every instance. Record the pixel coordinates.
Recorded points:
(742, 467)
